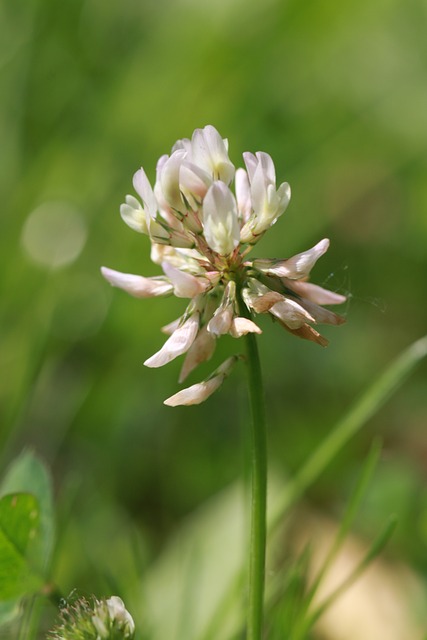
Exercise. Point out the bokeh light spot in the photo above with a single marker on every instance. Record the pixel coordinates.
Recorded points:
(54, 234)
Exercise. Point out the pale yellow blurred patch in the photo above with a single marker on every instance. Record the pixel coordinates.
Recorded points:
(386, 603)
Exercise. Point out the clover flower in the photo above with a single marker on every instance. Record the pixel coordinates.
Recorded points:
(201, 233)
(94, 620)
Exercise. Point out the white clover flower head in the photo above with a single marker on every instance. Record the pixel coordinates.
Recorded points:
(94, 620)
(201, 233)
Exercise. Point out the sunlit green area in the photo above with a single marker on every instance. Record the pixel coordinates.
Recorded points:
(90, 91)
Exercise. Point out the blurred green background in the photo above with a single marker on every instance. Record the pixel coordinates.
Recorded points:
(91, 90)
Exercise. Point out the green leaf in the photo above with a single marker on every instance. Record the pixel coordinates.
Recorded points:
(19, 528)
(26, 474)
(29, 475)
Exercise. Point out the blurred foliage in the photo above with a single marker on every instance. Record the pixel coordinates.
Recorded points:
(336, 93)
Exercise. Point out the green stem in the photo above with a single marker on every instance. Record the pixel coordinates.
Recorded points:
(259, 492)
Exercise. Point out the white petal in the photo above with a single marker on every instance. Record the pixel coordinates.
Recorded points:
(200, 351)
(158, 252)
(259, 191)
(185, 285)
(169, 328)
(118, 612)
(284, 196)
(132, 202)
(243, 194)
(143, 187)
(242, 326)
(179, 342)
(184, 259)
(220, 220)
(134, 215)
(267, 203)
(199, 392)
(169, 180)
(209, 152)
(137, 286)
(262, 175)
(291, 313)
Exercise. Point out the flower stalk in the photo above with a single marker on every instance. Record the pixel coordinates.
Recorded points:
(258, 533)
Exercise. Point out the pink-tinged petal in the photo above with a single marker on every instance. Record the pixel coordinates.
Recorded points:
(298, 266)
(184, 144)
(201, 391)
(138, 286)
(196, 394)
(242, 326)
(143, 188)
(251, 163)
(313, 292)
(194, 180)
(160, 164)
(185, 285)
(220, 324)
(220, 219)
(291, 313)
(320, 314)
(200, 351)
(267, 164)
(179, 342)
(214, 277)
(243, 194)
